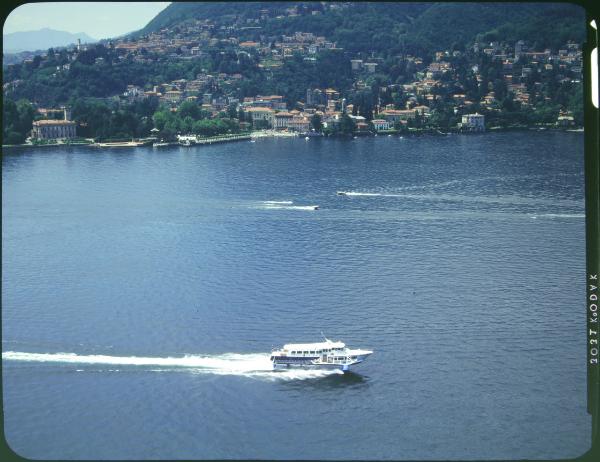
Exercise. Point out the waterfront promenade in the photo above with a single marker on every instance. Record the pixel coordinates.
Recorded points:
(193, 140)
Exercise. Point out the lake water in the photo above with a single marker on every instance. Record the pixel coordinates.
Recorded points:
(143, 289)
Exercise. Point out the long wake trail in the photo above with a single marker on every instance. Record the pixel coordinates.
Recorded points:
(249, 365)
(502, 200)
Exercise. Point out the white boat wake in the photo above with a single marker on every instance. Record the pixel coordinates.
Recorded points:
(255, 365)
(352, 193)
(291, 207)
(502, 200)
(559, 215)
(285, 205)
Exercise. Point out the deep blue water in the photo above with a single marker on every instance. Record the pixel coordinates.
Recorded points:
(459, 260)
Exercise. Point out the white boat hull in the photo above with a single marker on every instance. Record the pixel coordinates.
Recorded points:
(341, 367)
(282, 364)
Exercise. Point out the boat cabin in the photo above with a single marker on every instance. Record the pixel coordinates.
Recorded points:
(327, 351)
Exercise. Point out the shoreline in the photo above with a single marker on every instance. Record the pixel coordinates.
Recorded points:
(281, 134)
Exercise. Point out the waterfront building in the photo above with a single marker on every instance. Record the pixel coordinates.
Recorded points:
(299, 124)
(380, 124)
(257, 114)
(565, 119)
(473, 122)
(49, 129)
(362, 127)
(395, 115)
(282, 120)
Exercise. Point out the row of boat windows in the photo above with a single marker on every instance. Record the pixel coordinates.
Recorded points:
(315, 352)
(337, 359)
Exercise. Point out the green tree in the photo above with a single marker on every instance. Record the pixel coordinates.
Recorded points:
(575, 104)
(189, 109)
(232, 112)
(17, 121)
(187, 124)
(316, 122)
(346, 125)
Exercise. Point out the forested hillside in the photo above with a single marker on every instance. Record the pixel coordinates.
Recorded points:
(420, 27)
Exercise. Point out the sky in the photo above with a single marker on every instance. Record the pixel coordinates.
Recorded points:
(97, 19)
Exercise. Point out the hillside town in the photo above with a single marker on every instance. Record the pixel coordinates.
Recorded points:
(451, 90)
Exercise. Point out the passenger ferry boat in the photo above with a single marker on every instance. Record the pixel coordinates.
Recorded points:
(323, 355)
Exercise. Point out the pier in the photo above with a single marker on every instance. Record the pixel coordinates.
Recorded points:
(222, 139)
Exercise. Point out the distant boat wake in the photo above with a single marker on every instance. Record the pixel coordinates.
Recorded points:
(285, 205)
(502, 200)
(559, 215)
(290, 207)
(255, 365)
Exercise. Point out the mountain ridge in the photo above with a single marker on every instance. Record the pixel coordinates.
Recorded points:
(41, 39)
